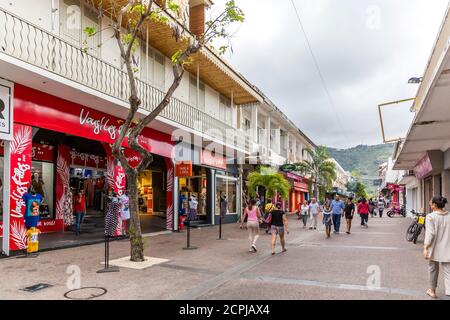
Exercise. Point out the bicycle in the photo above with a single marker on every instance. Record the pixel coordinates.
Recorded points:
(415, 229)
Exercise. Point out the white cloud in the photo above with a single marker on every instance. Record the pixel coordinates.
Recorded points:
(364, 58)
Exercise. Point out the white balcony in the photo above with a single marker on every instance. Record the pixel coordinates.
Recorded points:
(41, 49)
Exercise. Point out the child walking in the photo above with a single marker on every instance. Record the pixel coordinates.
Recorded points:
(327, 219)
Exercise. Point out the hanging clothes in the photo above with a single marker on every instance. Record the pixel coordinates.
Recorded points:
(112, 216)
(68, 209)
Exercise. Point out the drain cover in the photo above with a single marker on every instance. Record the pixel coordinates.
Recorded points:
(86, 293)
(37, 287)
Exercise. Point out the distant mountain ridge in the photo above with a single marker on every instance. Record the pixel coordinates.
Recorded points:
(364, 159)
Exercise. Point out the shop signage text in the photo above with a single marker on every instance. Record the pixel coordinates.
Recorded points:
(423, 168)
(6, 109)
(215, 160)
(183, 169)
(41, 110)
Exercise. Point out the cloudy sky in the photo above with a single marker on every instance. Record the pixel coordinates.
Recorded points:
(366, 50)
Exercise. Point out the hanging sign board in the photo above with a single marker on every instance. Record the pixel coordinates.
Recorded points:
(183, 169)
(6, 109)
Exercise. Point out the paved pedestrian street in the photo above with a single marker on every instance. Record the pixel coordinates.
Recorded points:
(373, 263)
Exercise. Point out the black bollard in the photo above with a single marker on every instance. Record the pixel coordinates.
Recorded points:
(188, 236)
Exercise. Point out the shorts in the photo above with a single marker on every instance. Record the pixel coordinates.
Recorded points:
(348, 216)
(277, 230)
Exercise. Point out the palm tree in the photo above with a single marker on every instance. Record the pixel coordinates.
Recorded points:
(320, 167)
(271, 180)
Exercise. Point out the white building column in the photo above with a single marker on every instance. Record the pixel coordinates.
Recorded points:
(277, 141)
(6, 195)
(446, 185)
(254, 123)
(294, 148)
(267, 135)
(288, 139)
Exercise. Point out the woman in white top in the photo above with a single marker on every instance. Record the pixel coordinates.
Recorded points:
(437, 244)
(304, 212)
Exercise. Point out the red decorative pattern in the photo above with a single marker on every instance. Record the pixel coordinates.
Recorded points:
(20, 182)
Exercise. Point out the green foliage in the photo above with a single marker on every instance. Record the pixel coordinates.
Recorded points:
(319, 167)
(126, 39)
(271, 180)
(90, 31)
(363, 161)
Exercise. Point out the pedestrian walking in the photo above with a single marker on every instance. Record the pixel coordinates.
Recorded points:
(267, 211)
(349, 213)
(381, 204)
(363, 210)
(279, 227)
(337, 206)
(372, 207)
(437, 244)
(79, 209)
(327, 219)
(253, 215)
(314, 210)
(304, 212)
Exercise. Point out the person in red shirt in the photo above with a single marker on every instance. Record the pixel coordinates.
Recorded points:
(79, 209)
(363, 210)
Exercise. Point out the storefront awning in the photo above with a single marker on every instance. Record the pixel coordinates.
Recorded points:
(431, 126)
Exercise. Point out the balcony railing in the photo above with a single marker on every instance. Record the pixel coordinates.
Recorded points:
(29, 43)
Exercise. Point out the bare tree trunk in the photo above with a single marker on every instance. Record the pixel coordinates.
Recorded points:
(316, 190)
(137, 243)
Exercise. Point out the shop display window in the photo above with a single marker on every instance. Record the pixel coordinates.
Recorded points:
(43, 177)
(1, 187)
(226, 185)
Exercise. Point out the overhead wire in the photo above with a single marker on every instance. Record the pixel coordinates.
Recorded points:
(319, 71)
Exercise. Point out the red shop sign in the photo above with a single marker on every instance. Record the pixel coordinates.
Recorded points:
(301, 186)
(43, 152)
(215, 160)
(42, 110)
(183, 169)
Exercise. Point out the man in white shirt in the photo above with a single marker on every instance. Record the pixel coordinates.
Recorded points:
(314, 210)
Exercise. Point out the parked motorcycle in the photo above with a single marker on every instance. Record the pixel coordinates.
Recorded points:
(397, 211)
(415, 229)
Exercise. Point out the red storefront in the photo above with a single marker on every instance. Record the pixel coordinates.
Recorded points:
(299, 191)
(39, 117)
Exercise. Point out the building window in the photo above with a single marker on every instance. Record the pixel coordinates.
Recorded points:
(226, 185)
(43, 177)
(247, 125)
(74, 18)
(152, 68)
(225, 114)
(193, 93)
(1, 183)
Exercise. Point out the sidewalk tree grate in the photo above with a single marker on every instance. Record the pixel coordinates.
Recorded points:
(37, 287)
(86, 293)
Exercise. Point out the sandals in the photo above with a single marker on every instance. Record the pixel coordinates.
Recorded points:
(431, 294)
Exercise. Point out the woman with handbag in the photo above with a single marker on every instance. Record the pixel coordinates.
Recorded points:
(279, 226)
(253, 215)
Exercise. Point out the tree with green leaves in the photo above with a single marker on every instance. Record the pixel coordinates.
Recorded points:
(320, 168)
(129, 20)
(273, 182)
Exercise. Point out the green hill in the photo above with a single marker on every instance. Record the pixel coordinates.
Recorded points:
(364, 159)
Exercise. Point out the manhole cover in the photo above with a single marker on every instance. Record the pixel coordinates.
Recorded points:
(37, 287)
(86, 293)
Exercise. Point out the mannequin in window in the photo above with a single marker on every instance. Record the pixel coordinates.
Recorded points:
(32, 201)
(38, 184)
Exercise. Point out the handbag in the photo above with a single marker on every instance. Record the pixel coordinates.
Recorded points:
(268, 218)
